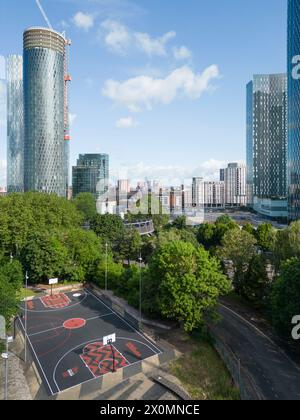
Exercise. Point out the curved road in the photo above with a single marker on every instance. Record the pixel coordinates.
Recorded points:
(275, 375)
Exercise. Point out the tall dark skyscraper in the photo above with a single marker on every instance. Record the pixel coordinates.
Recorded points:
(294, 109)
(267, 144)
(46, 152)
(91, 174)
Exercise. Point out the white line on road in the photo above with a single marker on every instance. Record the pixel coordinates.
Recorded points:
(263, 334)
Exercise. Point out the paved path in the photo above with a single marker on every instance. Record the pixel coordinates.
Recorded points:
(17, 385)
(274, 373)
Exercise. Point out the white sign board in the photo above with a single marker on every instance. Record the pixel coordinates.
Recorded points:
(53, 281)
(110, 339)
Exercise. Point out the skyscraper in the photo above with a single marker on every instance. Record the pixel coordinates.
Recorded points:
(267, 144)
(15, 126)
(293, 110)
(91, 174)
(44, 111)
(235, 185)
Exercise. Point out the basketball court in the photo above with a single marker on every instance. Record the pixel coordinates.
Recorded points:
(69, 335)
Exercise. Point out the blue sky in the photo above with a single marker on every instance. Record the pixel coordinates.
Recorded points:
(159, 85)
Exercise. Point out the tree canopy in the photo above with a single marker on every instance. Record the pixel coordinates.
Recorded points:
(187, 281)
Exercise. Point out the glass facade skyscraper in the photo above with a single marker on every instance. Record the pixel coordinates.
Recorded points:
(91, 174)
(267, 144)
(15, 126)
(294, 109)
(44, 106)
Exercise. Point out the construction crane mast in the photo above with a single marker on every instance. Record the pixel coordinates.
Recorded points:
(43, 14)
(67, 77)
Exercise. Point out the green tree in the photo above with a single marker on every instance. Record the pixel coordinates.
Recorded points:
(44, 257)
(285, 298)
(86, 204)
(238, 247)
(109, 228)
(84, 253)
(248, 227)
(160, 221)
(287, 244)
(185, 283)
(255, 286)
(130, 245)
(266, 237)
(223, 225)
(23, 215)
(115, 273)
(180, 223)
(206, 235)
(11, 280)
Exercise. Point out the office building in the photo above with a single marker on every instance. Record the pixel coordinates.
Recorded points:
(45, 103)
(267, 145)
(15, 124)
(293, 159)
(235, 185)
(214, 194)
(91, 174)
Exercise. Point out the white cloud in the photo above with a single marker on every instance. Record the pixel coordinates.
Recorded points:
(117, 37)
(182, 53)
(153, 46)
(170, 175)
(144, 91)
(127, 122)
(83, 21)
(72, 118)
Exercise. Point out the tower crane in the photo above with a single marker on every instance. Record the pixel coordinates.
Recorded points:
(43, 14)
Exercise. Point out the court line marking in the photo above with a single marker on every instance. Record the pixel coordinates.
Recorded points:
(61, 326)
(133, 328)
(94, 378)
(45, 376)
(137, 341)
(55, 310)
(62, 307)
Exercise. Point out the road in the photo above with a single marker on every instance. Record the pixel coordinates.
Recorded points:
(275, 375)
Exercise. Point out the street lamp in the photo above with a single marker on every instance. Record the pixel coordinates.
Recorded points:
(106, 267)
(141, 260)
(5, 357)
(25, 320)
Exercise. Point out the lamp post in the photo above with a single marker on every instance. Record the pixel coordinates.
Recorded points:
(140, 260)
(25, 321)
(106, 267)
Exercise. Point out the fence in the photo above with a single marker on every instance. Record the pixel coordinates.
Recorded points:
(241, 377)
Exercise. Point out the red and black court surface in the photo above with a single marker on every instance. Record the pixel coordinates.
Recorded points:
(65, 335)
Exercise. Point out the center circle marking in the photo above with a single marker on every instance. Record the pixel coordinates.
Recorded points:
(74, 323)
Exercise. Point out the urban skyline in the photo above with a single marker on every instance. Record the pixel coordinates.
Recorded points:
(211, 153)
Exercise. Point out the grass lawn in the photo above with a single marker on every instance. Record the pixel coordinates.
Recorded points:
(23, 293)
(202, 372)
